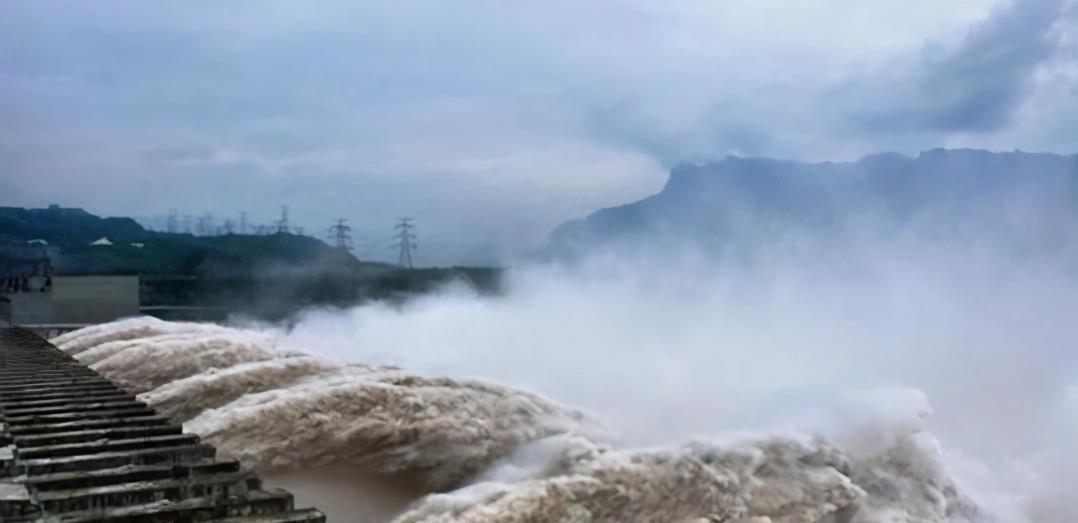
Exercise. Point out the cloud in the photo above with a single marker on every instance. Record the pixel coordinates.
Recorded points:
(977, 85)
(275, 164)
(980, 85)
(527, 115)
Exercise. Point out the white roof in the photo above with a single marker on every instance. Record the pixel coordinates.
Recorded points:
(101, 241)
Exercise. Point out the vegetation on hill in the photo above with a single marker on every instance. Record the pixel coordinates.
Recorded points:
(265, 275)
(135, 250)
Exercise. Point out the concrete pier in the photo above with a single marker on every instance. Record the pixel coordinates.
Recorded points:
(76, 448)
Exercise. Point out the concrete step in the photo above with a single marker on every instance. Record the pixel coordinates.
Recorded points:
(68, 392)
(103, 445)
(44, 365)
(128, 474)
(74, 447)
(61, 417)
(22, 403)
(212, 486)
(293, 516)
(10, 377)
(79, 436)
(16, 386)
(194, 509)
(178, 455)
(15, 502)
(87, 424)
(72, 407)
(44, 374)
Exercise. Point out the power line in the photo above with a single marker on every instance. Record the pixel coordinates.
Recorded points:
(204, 225)
(282, 224)
(172, 224)
(405, 242)
(341, 233)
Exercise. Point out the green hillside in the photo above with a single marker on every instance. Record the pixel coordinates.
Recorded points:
(269, 276)
(135, 250)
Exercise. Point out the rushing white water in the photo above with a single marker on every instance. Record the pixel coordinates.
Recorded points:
(500, 454)
(277, 409)
(972, 346)
(446, 430)
(927, 383)
(773, 479)
(136, 329)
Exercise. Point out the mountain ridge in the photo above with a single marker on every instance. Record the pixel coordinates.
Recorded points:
(743, 199)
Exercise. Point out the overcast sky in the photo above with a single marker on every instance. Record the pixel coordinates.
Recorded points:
(492, 122)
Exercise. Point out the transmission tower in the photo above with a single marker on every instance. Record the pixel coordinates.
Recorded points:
(204, 225)
(243, 222)
(172, 223)
(282, 224)
(405, 242)
(341, 233)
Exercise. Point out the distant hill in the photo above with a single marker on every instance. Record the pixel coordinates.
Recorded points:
(70, 232)
(66, 226)
(268, 276)
(1028, 201)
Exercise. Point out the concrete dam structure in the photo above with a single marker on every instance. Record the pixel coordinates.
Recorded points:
(74, 447)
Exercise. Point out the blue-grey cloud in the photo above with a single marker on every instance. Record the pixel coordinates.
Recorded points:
(979, 85)
(492, 124)
(976, 85)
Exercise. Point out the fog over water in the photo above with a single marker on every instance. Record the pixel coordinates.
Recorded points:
(916, 361)
(837, 308)
(979, 348)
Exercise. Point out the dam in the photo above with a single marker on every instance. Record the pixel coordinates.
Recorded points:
(74, 447)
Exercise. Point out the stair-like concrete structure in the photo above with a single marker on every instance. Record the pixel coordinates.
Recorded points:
(76, 448)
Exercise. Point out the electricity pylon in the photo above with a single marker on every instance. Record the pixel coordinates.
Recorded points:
(282, 224)
(173, 222)
(341, 233)
(405, 242)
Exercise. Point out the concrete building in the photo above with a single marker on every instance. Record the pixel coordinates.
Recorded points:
(26, 283)
(30, 294)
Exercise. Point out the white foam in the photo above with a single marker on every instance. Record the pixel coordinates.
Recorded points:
(517, 456)
(155, 361)
(444, 430)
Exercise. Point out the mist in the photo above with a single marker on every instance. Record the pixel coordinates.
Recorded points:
(492, 124)
(860, 345)
(867, 367)
(776, 332)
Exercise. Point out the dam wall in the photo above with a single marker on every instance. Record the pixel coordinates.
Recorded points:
(74, 447)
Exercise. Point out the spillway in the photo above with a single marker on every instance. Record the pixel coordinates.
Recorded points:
(74, 447)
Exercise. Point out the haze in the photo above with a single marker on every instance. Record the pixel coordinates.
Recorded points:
(491, 124)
